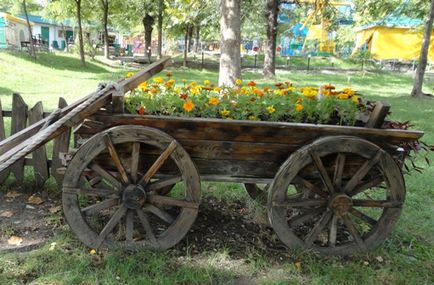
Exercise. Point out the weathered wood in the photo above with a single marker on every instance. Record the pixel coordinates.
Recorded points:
(18, 123)
(376, 119)
(118, 101)
(17, 140)
(316, 211)
(185, 208)
(5, 173)
(60, 145)
(39, 156)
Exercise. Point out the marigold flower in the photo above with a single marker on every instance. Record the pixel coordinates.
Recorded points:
(213, 101)
(141, 110)
(258, 93)
(349, 91)
(169, 74)
(329, 87)
(279, 85)
(143, 85)
(266, 89)
(298, 107)
(195, 90)
(238, 82)
(225, 113)
(130, 74)
(251, 83)
(270, 109)
(188, 106)
(217, 89)
(343, 96)
(183, 96)
(158, 80)
(154, 91)
(355, 99)
(206, 82)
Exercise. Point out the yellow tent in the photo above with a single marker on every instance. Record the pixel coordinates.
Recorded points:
(395, 38)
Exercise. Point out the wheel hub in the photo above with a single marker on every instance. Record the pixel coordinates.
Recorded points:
(134, 196)
(340, 203)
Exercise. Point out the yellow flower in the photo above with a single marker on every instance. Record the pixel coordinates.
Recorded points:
(349, 91)
(188, 106)
(252, 118)
(130, 74)
(195, 90)
(225, 113)
(270, 109)
(92, 251)
(309, 92)
(355, 99)
(206, 82)
(169, 83)
(158, 80)
(194, 83)
(143, 85)
(343, 96)
(177, 90)
(154, 91)
(238, 82)
(213, 101)
(244, 91)
(217, 89)
(298, 107)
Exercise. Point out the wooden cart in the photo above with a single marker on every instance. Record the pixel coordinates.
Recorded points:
(136, 180)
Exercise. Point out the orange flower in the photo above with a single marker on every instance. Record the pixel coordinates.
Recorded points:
(278, 85)
(183, 96)
(141, 110)
(251, 83)
(258, 93)
(266, 89)
(188, 106)
(213, 101)
(298, 107)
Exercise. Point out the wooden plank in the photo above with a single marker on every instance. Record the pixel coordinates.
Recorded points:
(251, 131)
(18, 123)
(105, 99)
(39, 156)
(61, 145)
(376, 119)
(5, 173)
(118, 102)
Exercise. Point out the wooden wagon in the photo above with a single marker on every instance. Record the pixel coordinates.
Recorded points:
(136, 180)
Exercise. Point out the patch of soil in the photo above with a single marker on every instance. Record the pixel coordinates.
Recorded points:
(27, 221)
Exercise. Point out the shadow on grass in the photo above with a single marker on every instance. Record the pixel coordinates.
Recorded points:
(61, 62)
(6, 91)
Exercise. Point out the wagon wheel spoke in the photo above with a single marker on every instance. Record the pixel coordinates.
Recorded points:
(339, 170)
(376, 203)
(362, 216)
(169, 201)
(135, 153)
(364, 186)
(146, 226)
(106, 175)
(158, 163)
(333, 229)
(111, 225)
(93, 192)
(300, 219)
(129, 226)
(307, 203)
(115, 158)
(163, 215)
(309, 186)
(361, 173)
(318, 227)
(89, 210)
(162, 183)
(353, 231)
(325, 178)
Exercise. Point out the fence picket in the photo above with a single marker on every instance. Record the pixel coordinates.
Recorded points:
(5, 173)
(19, 122)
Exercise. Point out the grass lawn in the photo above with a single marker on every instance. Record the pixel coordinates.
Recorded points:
(407, 257)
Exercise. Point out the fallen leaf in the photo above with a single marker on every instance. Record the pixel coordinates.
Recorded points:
(297, 265)
(92, 251)
(35, 200)
(379, 259)
(14, 240)
(55, 209)
(366, 263)
(6, 214)
(52, 246)
(13, 194)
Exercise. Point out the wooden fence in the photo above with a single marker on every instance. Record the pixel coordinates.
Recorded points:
(44, 163)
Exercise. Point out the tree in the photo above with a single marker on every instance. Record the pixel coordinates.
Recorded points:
(160, 28)
(420, 72)
(148, 23)
(271, 14)
(105, 8)
(230, 29)
(29, 27)
(80, 32)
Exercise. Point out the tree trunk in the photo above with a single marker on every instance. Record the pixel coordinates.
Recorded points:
(196, 42)
(148, 22)
(105, 7)
(32, 52)
(160, 29)
(187, 29)
(190, 38)
(230, 29)
(271, 13)
(80, 33)
(420, 72)
(64, 36)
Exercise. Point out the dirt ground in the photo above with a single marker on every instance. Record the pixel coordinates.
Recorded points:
(28, 221)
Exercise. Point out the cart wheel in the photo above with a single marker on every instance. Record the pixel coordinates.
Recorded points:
(352, 197)
(131, 201)
(257, 192)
